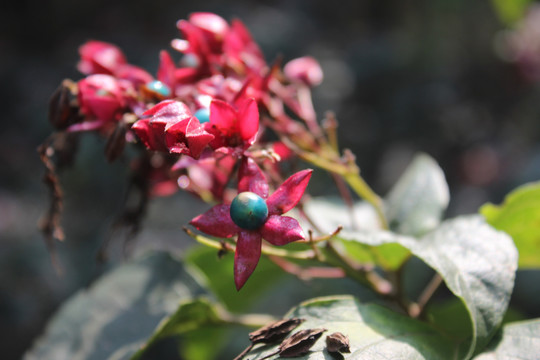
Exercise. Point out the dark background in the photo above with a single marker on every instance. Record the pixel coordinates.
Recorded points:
(402, 76)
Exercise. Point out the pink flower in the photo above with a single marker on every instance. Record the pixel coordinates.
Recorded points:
(172, 128)
(98, 57)
(203, 40)
(242, 51)
(276, 228)
(305, 69)
(101, 98)
(233, 126)
(208, 176)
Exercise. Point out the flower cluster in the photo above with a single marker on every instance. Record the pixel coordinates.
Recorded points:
(217, 114)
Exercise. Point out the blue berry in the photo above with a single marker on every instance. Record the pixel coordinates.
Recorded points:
(249, 211)
(159, 87)
(203, 115)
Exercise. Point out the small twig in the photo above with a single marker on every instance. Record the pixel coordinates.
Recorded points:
(314, 247)
(364, 274)
(330, 125)
(244, 352)
(417, 309)
(346, 196)
(49, 224)
(266, 250)
(315, 272)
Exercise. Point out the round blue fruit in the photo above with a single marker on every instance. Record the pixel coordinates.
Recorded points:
(159, 88)
(203, 115)
(249, 211)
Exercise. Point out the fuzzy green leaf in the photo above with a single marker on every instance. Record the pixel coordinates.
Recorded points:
(418, 200)
(113, 318)
(477, 263)
(374, 332)
(190, 319)
(519, 340)
(511, 11)
(519, 217)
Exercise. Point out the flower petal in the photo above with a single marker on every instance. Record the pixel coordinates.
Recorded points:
(248, 120)
(98, 57)
(251, 178)
(289, 193)
(210, 22)
(281, 230)
(134, 74)
(151, 135)
(166, 70)
(169, 112)
(305, 69)
(246, 258)
(216, 222)
(223, 116)
(197, 138)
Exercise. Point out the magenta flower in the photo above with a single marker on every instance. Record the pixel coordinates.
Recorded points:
(241, 50)
(274, 227)
(305, 69)
(102, 98)
(172, 128)
(233, 126)
(98, 57)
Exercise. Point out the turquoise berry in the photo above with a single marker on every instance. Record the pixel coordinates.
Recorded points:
(203, 115)
(159, 87)
(249, 211)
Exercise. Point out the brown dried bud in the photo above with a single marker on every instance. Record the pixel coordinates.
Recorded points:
(337, 342)
(275, 331)
(116, 142)
(300, 342)
(63, 107)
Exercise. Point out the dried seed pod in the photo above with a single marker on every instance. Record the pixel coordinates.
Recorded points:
(275, 331)
(63, 107)
(116, 142)
(299, 343)
(270, 333)
(337, 342)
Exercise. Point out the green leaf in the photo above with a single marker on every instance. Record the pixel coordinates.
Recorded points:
(192, 319)
(382, 248)
(477, 263)
(520, 340)
(451, 317)
(330, 212)
(511, 11)
(374, 332)
(113, 318)
(219, 277)
(519, 217)
(418, 200)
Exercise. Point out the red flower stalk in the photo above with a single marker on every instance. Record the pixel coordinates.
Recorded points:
(274, 228)
(172, 128)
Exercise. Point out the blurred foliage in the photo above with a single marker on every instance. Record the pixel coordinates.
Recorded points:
(511, 11)
(519, 217)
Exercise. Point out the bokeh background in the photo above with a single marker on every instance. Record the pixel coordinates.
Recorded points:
(401, 76)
